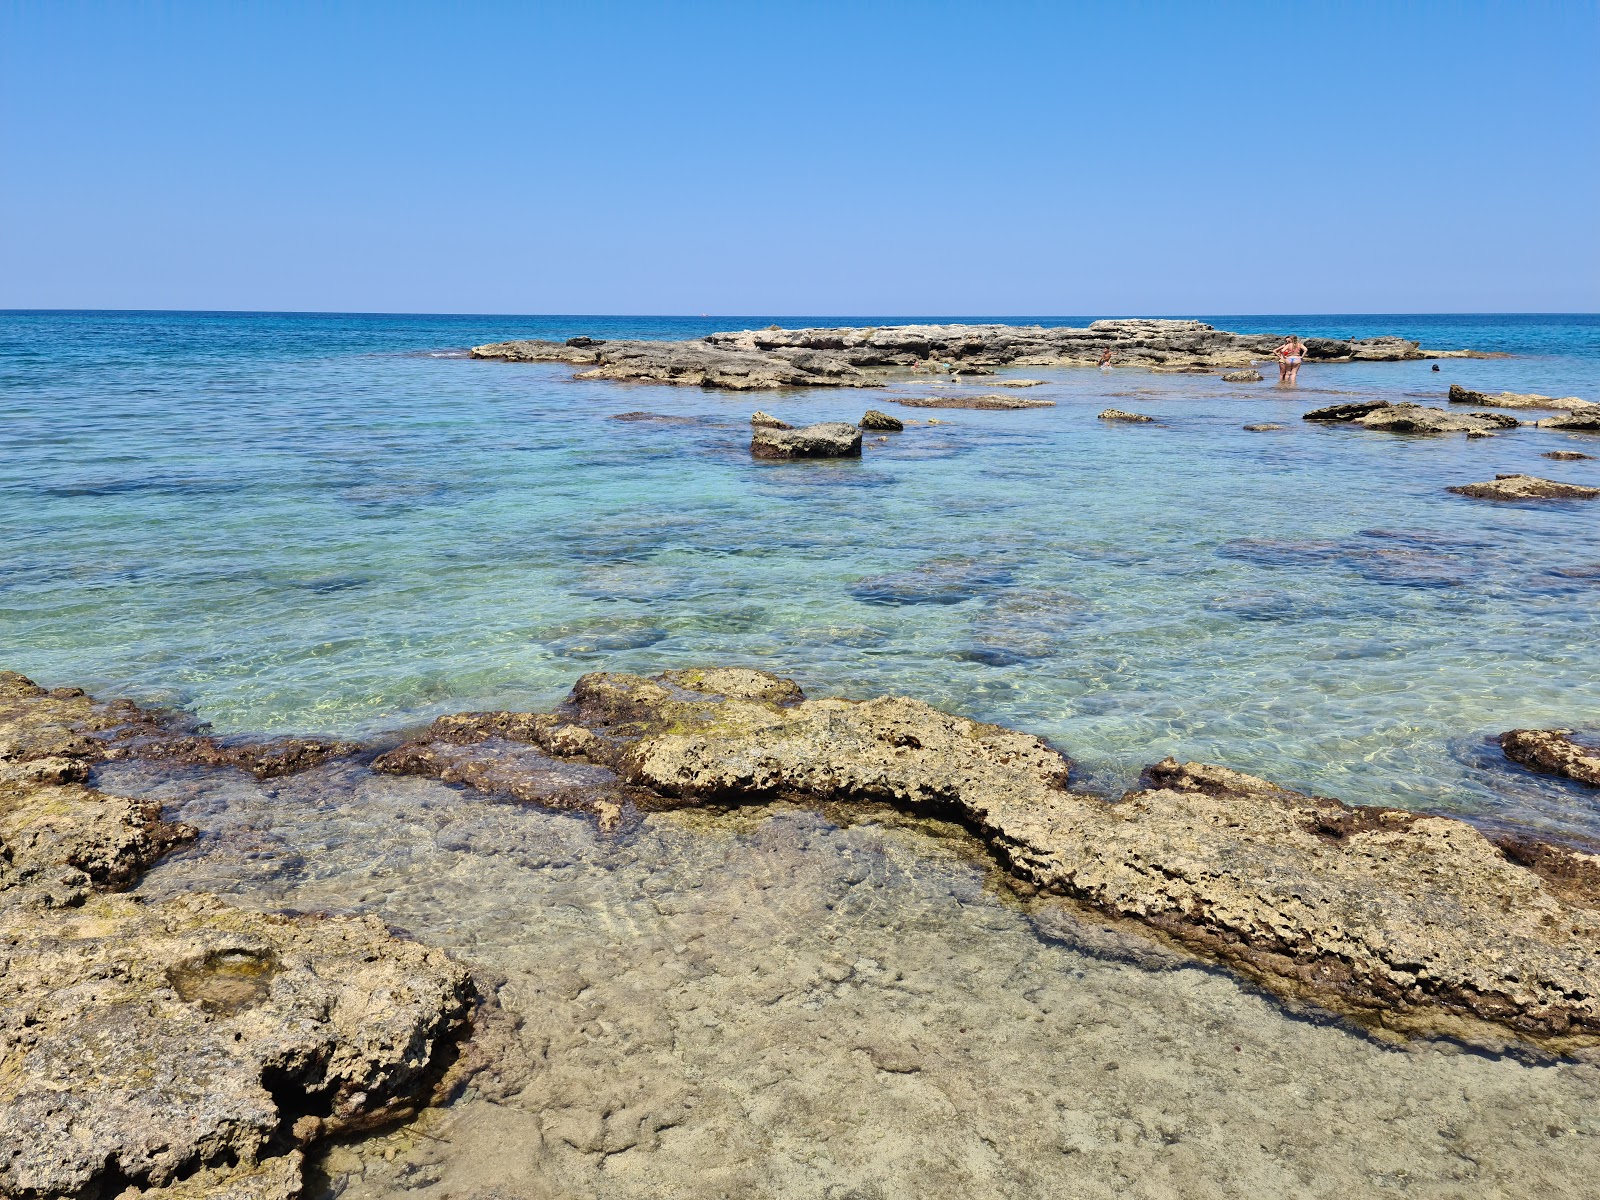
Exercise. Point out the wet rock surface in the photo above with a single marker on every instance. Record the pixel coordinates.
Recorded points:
(765, 420)
(1566, 455)
(829, 439)
(982, 403)
(1117, 414)
(1410, 923)
(1346, 411)
(1554, 752)
(863, 357)
(1461, 395)
(1525, 487)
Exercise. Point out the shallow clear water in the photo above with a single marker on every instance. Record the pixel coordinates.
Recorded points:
(779, 1002)
(333, 524)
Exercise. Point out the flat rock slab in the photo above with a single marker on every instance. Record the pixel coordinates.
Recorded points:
(143, 1043)
(1117, 414)
(1583, 420)
(1407, 922)
(830, 439)
(1262, 428)
(1554, 752)
(1345, 412)
(1019, 383)
(1418, 418)
(1566, 455)
(865, 357)
(1461, 395)
(1525, 487)
(973, 402)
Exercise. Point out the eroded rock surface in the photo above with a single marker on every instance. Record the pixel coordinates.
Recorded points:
(1419, 418)
(1566, 455)
(829, 439)
(1242, 377)
(143, 1043)
(1554, 752)
(1345, 412)
(1406, 921)
(1525, 487)
(1117, 414)
(1583, 420)
(863, 357)
(876, 420)
(1461, 395)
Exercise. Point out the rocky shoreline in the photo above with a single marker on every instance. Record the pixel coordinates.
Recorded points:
(753, 359)
(227, 1041)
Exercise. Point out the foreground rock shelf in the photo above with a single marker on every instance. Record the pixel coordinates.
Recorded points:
(188, 1042)
(866, 357)
(1406, 922)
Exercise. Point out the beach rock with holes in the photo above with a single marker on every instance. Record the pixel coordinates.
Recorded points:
(830, 439)
(1406, 922)
(1132, 418)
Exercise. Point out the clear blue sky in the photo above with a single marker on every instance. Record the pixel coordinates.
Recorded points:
(999, 158)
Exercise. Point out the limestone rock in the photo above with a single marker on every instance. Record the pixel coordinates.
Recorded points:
(1565, 455)
(1525, 487)
(873, 419)
(830, 439)
(1019, 383)
(1461, 395)
(864, 357)
(39, 723)
(1418, 418)
(1583, 420)
(973, 402)
(765, 420)
(1406, 921)
(1554, 752)
(1345, 412)
(144, 1042)
(1262, 428)
(1117, 414)
(1242, 377)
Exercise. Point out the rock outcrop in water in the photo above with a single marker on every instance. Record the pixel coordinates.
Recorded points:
(1345, 412)
(830, 439)
(1132, 418)
(1407, 922)
(881, 421)
(774, 358)
(1583, 420)
(184, 1042)
(1418, 418)
(1525, 487)
(1461, 395)
(1554, 752)
(1242, 377)
(981, 403)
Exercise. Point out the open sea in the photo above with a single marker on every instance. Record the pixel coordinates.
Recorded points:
(342, 524)
(338, 523)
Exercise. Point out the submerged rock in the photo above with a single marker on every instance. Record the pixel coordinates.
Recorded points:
(1345, 412)
(1418, 418)
(974, 402)
(145, 1042)
(1117, 414)
(830, 439)
(1461, 395)
(1554, 752)
(873, 419)
(659, 418)
(1019, 383)
(1583, 420)
(1262, 428)
(1525, 487)
(1408, 922)
(1242, 377)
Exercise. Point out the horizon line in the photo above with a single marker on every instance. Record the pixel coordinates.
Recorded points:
(1191, 315)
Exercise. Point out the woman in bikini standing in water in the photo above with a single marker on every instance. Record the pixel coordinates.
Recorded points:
(1290, 355)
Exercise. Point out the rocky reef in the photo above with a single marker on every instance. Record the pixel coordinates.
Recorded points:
(1132, 418)
(981, 403)
(1554, 752)
(866, 357)
(1525, 487)
(829, 439)
(187, 1046)
(1461, 395)
(1406, 922)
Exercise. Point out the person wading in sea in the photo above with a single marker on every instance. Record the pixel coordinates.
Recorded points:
(1290, 355)
(1105, 359)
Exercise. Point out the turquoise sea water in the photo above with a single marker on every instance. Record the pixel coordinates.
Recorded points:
(340, 524)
